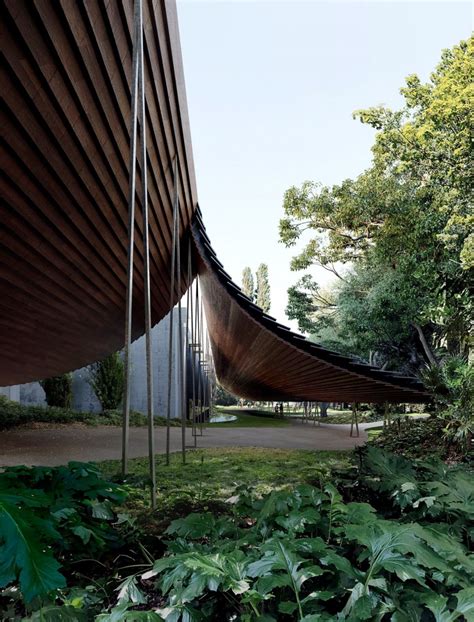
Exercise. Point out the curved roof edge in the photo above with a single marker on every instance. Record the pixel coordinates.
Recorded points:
(283, 365)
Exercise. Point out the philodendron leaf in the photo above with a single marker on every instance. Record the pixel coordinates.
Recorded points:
(129, 591)
(287, 607)
(465, 604)
(52, 613)
(437, 604)
(122, 613)
(22, 556)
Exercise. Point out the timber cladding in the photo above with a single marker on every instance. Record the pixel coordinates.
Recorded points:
(64, 217)
(257, 358)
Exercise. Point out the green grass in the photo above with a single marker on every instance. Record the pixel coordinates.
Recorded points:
(247, 418)
(374, 432)
(211, 476)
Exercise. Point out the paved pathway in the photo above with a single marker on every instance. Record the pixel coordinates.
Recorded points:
(53, 446)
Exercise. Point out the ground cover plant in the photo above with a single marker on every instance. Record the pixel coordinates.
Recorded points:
(332, 537)
(13, 414)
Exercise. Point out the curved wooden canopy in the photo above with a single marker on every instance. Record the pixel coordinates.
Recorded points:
(64, 219)
(259, 359)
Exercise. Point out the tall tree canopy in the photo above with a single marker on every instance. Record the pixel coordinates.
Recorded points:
(248, 286)
(404, 227)
(263, 288)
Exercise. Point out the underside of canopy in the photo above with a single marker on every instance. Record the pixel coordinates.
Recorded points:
(64, 220)
(257, 358)
(64, 216)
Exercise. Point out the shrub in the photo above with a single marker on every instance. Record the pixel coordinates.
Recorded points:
(107, 379)
(223, 397)
(306, 555)
(58, 390)
(50, 515)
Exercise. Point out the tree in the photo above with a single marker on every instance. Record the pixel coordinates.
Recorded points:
(263, 288)
(58, 390)
(107, 378)
(407, 220)
(223, 397)
(248, 284)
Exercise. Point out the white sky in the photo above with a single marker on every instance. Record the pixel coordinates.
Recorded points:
(271, 88)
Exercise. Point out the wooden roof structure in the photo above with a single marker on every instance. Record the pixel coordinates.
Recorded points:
(257, 358)
(64, 218)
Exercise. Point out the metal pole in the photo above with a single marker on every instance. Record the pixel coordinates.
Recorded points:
(199, 370)
(193, 365)
(131, 234)
(170, 342)
(354, 420)
(189, 336)
(181, 353)
(146, 266)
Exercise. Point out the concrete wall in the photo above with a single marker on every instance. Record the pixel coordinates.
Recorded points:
(84, 398)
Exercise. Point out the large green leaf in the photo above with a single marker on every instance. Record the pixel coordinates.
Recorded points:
(24, 557)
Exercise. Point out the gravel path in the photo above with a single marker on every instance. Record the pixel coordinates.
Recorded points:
(53, 446)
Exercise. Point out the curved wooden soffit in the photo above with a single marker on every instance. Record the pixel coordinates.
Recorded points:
(257, 358)
(64, 216)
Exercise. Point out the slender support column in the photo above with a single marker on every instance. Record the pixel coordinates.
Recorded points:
(386, 415)
(146, 265)
(190, 338)
(182, 403)
(193, 364)
(354, 421)
(137, 28)
(171, 315)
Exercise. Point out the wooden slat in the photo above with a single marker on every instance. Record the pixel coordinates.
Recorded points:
(63, 225)
(259, 359)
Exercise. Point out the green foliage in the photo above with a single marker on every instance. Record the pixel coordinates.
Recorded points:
(248, 286)
(262, 294)
(305, 554)
(404, 226)
(107, 378)
(58, 390)
(223, 397)
(49, 515)
(13, 414)
(390, 539)
(452, 386)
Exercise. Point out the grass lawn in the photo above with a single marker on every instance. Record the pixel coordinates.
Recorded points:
(374, 432)
(211, 476)
(247, 418)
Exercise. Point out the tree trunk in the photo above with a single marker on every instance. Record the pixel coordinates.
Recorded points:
(426, 348)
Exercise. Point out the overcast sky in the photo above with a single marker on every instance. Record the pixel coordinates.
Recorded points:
(271, 89)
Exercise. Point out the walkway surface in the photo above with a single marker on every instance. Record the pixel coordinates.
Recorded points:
(53, 446)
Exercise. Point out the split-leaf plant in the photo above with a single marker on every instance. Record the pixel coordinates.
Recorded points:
(49, 516)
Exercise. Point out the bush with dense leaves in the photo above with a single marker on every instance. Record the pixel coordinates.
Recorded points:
(58, 390)
(107, 378)
(49, 516)
(13, 414)
(418, 438)
(307, 554)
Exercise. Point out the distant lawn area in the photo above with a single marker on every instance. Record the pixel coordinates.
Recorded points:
(248, 418)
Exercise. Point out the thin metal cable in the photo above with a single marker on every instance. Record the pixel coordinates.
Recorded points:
(171, 314)
(180, 353)
(189, 335)
(137, 23)
(146, 268)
